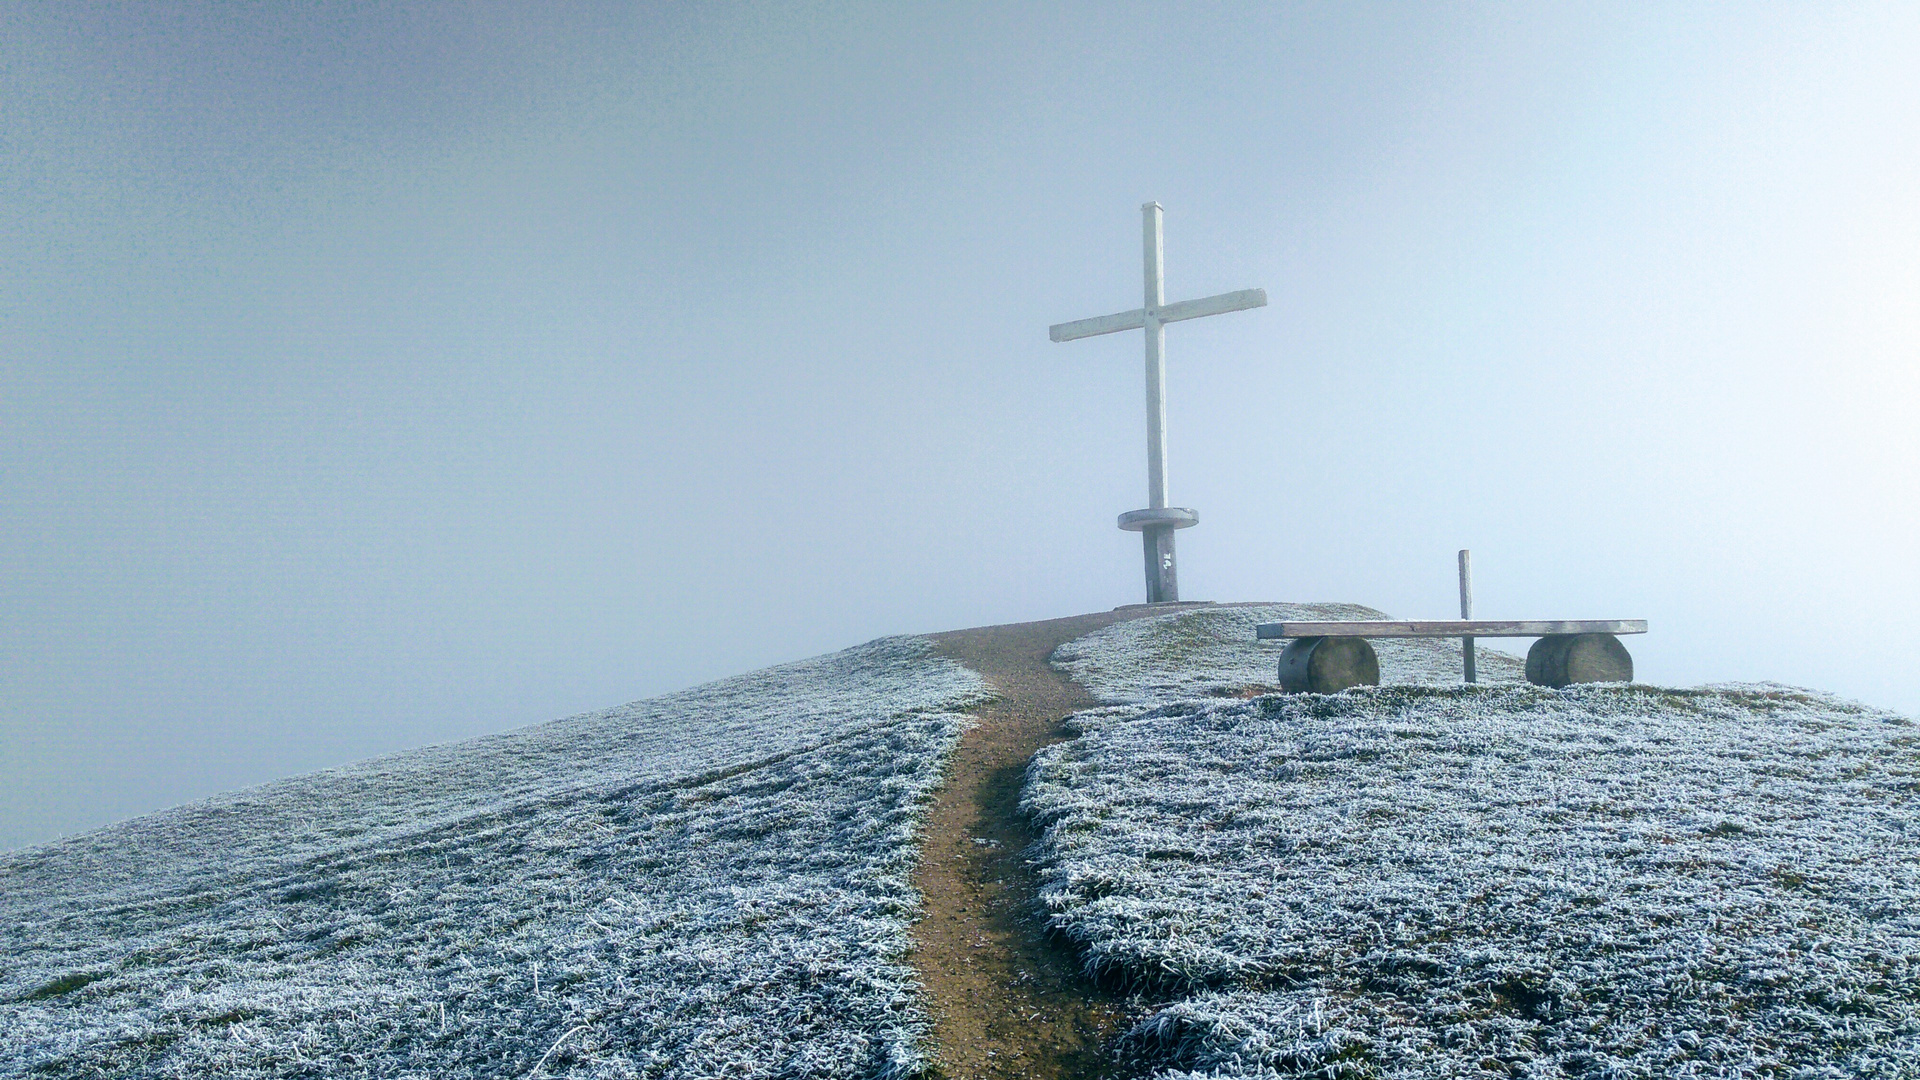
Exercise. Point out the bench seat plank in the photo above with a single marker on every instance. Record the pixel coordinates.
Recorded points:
(1385, 628)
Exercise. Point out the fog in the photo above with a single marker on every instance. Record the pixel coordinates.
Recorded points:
(374, 376)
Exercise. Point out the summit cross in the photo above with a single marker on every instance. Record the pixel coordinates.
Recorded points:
(1157, 522)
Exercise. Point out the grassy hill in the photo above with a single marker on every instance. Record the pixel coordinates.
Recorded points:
(1426, 881)
(712, 882)
(1418, 880)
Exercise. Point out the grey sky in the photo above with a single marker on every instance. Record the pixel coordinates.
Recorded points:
(373, 376)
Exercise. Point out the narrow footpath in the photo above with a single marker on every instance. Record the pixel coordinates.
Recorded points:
(1007, 999)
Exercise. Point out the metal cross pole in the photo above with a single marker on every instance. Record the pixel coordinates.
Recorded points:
(1156, 523)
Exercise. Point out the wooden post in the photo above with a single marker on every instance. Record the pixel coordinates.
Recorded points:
(1466, 612)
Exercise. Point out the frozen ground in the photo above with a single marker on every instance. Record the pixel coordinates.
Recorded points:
(1413, 881)
(708, 883)
(1211, 652)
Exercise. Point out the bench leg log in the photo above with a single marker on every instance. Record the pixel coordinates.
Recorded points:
(1564, 659)
(1327, 665)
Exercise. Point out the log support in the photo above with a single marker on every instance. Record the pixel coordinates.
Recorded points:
(1328, 665)
(1565, 659)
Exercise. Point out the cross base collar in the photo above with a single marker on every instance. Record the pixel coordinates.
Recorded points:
(1178, 517)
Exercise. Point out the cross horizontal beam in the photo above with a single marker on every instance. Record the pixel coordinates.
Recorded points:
(1099, 324)
(1167, 313)
(1382, 628)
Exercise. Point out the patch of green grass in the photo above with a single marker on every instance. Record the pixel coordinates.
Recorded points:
(1182, 637)
(63, 985)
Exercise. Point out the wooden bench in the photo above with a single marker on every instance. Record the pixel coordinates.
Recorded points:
(1327, 657)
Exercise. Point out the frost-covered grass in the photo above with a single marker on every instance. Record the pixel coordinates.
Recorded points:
(709, 883)
(1211, 652)
(1604, 881)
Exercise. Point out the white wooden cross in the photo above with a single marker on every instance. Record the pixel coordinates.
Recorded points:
(1157, 522)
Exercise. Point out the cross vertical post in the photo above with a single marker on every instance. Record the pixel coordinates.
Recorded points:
(1156, 540)
(1153, 257)
(1156, 523)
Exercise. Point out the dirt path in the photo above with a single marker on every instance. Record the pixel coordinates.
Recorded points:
(1008, 1001)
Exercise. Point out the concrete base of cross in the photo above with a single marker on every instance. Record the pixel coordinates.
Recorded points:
(1156, 527)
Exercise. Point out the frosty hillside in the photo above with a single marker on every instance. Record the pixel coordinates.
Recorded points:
(1420, 879)
(708, 883)
(1439, 881)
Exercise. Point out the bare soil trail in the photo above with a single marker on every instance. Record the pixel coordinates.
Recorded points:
(1008, 1000)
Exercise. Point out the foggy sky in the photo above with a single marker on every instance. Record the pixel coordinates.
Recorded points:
(374, 375)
